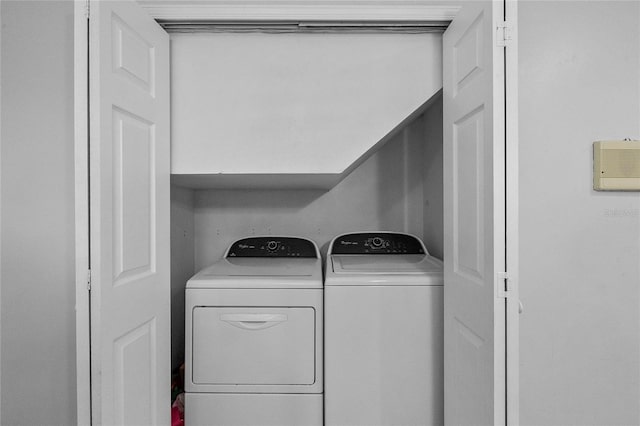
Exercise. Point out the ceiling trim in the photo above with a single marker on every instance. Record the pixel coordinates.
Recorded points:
(300, 10)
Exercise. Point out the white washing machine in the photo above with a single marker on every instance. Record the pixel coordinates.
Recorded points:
(254, 336)
(383, 332)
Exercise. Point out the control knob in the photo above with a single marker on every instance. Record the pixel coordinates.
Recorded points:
(272, 245)
(377, 242)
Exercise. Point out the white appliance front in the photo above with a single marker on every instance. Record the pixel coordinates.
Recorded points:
(243, 409)
(253, 340)
(384, 355)
(384, 332)
(271, 346)
(254, 335)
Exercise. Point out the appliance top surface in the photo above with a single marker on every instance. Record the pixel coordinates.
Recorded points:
(264, 262)
(410, 264)
(260, 273)
(262, 267)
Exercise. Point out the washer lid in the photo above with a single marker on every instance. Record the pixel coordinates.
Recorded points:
(410, 264)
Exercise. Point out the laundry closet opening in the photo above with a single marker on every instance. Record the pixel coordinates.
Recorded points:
(301, 133)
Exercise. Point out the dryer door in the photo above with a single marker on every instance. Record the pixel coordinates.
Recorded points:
(253, 346)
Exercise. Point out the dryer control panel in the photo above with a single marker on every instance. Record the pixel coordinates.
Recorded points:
(273, 247)
(377, 243)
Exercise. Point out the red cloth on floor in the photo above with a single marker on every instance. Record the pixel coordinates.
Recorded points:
(176, 419)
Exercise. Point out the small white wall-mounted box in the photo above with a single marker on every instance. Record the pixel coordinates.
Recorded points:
(616, 165)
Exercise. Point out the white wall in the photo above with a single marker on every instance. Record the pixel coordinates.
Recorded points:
(293, 103)
(182, 264)
(37, 202)
(384, 193)
(0, 212)
(433, 218)
(580, 249)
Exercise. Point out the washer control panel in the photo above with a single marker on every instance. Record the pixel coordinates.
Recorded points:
(272, 247)
(377, 243)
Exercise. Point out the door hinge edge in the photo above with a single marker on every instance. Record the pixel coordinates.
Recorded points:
(504, 35)
(89, 279)
(504, 285)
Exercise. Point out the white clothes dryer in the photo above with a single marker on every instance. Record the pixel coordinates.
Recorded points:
(253, 337)
(383, 331)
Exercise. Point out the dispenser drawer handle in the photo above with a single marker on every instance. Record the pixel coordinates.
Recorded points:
(253, 321)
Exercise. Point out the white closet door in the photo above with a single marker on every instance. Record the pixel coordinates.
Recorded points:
(474, 212)
(129, 216)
